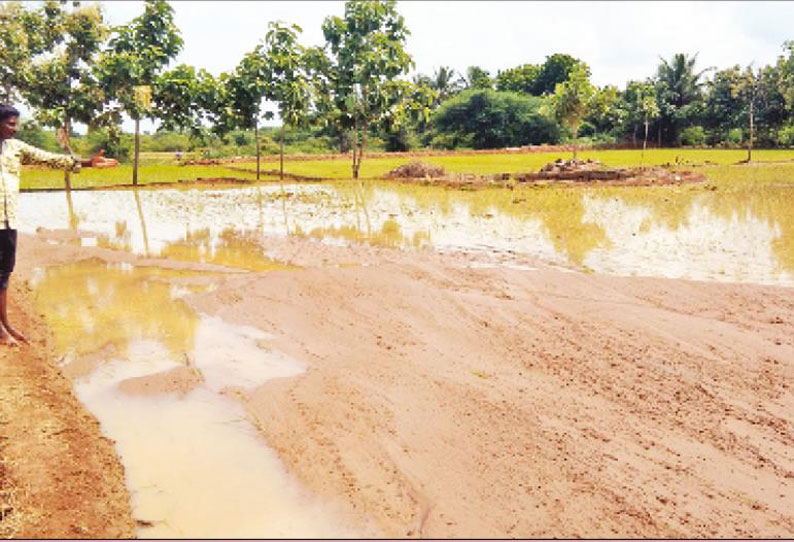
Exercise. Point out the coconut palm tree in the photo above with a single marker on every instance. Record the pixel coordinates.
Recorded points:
(678, 90)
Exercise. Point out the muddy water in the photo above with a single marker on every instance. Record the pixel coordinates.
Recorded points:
(163, 382)
(682, 232)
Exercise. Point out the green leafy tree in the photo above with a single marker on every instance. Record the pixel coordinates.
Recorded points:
(25, 33)
(748, 89)
(572, 100)
(185, 100)
(60, 85)
(604, 114)
(649, 110)
(289, 82)
(443, 81)
(678, 94)
(478, 78)
(555, 70)
(487, 119)
(367, 55)
(723, 107)
(137, 54)
(522, 78)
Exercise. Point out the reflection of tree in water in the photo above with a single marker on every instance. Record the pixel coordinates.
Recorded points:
(90, 305)
(735, 198)
(231, 248)
(559, 209)
(390, 235)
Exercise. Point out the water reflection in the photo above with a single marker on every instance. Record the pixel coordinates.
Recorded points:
(195, 464)
(92, 307)
(658, 231)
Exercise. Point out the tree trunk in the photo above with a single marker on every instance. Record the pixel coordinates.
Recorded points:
(281, 169)
(256, 137)
(355, 150)
(659, 131)
(644, 144)
(575, 141)
(137, 154)
(752, 133)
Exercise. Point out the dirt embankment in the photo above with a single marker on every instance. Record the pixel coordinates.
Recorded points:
(59, 478)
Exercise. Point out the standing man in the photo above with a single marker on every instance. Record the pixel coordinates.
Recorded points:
(12, 153)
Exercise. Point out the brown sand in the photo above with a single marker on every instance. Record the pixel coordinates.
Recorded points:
(448, 401)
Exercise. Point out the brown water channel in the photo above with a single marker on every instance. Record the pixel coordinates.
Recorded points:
(195, 464)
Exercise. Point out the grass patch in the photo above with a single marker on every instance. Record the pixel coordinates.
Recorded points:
(38, 178)
(160, 167)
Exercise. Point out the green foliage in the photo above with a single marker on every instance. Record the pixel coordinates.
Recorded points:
(32, 133)
(678, 94)
(183, 99)
(555, 70)
(60, 84)
(115, 144)
(693, 136)
(786, 136)
(572, 100)
(25, 33)
(735, 137)
(523, 78)
(289, 81)
(478, 78)
(360, 77)
(487, 119)
(137, 53)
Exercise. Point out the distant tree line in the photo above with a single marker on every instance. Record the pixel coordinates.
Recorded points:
(69, 66)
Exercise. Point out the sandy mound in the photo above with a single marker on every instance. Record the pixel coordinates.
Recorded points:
(415, 170)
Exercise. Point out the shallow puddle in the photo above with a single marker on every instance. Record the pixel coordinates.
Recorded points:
(163, 382)
(680, 232)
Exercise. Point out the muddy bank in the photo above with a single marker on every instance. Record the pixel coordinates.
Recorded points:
(449, 396)
(449, 401)
(59, 478)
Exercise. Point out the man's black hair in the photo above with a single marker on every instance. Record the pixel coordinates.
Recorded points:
(7, 111)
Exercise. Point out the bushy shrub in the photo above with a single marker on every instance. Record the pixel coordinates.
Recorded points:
(785, 137)
(735, 137)
(166, 142)
(33, 134)
(444, 142)
(492, 119)
(116, 144)
(693, 136)
(400, 140)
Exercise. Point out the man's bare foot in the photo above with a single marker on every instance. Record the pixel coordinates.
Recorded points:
(16, 335)
(8, 340)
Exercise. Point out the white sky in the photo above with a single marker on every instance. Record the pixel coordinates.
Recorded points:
(620, 40)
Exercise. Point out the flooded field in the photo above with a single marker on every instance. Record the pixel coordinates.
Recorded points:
(677, 232)
(168, 383)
